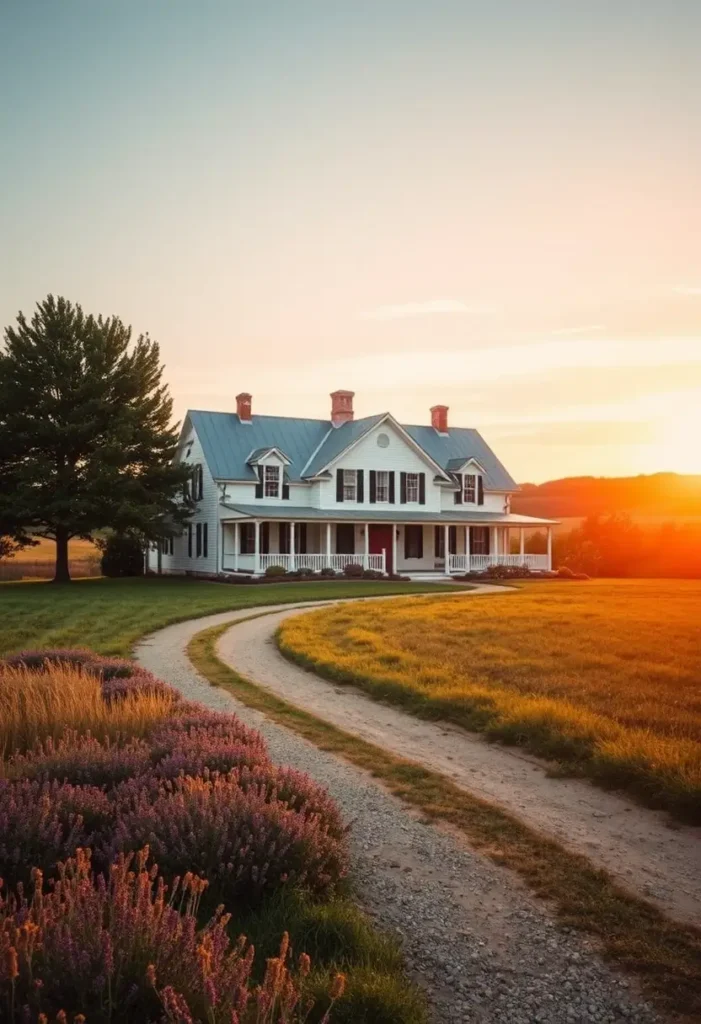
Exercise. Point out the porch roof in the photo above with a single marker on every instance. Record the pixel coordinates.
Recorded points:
(301, 513)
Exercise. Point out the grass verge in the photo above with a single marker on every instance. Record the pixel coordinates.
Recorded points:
(664, 955)
(109, 616)
(338, 936)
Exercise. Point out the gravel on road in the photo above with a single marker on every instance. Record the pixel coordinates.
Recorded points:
(482, 947)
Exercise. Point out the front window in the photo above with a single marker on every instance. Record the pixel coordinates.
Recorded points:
(272, 481)
(412, 487)
(350, 484)
(382, 485)
(469, 488)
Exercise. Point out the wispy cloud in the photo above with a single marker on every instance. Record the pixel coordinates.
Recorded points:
(586, 329)
(688, 289)
(426, 309)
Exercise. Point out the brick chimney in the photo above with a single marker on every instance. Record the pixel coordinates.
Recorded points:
(341, 407)
(439, 418)
(243, 407)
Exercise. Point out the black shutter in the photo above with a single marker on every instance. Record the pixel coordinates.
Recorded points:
(373, 486)
(453, 539)
(200, 482)
(285, 486)
(402, 488)
(391, 487)
(457, 497)
(284, 538)
(264, 538)
(422, 488)
(301, 538)
(480, 491)
(339, 485)
(204, 540)
(198, 533)
(189, 540)
(407, 531)
(438, 545)
(360, 486)
(259, 485)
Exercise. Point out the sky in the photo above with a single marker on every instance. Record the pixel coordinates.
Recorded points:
(493, 206)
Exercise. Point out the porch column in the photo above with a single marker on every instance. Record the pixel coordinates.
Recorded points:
(446, 546)
(522, 543)
(292, 546)
(394, 548)
(256, 547)
(366, 556)
(328, 543)
(220, 549)
(494, 541)
(237, 543)
(467, 549)
(550, 547)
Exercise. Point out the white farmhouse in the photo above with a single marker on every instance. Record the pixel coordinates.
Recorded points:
(276, 490)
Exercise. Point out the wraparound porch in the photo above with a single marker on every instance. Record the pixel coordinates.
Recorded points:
(253, 545)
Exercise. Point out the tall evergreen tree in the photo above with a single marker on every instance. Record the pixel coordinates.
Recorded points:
(86, 440)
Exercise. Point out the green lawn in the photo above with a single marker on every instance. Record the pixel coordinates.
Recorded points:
(109, 616)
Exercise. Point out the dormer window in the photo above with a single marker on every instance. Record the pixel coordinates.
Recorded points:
(271, 481)
(469, 493)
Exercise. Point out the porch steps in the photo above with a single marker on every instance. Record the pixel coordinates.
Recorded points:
(427, 577)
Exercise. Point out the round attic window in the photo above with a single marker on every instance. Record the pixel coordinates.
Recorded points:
(383, 441)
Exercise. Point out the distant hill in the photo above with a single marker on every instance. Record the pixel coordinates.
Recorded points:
(660, 494)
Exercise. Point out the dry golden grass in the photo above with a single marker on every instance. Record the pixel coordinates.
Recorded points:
(35, 706)
(602, 676)
(45, 550)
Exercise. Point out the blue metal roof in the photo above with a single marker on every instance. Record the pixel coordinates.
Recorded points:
(463, 443)
(228, 443)
(338, 439)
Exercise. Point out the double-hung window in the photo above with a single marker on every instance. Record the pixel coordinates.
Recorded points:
(382, 485)
(469, 494)
(271, 481)
(350, 485)
(412, 487)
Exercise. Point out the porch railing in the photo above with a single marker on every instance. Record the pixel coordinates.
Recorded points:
(317, 561)
(476, 563)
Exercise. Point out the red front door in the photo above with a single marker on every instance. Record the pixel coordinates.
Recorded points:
(381, 540)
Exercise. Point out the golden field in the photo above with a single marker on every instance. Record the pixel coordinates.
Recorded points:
(78, 551)
(602, 676)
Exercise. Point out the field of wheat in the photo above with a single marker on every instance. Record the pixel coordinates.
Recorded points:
(602, 676)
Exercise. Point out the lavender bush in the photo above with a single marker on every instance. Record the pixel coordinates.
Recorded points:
(123, 949)
(243, 840)
(200, 789)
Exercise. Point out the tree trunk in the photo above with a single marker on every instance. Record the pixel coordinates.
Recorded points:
(62, 575)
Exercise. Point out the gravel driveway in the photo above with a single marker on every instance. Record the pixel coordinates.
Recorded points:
(633, 843)
(473, 937)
